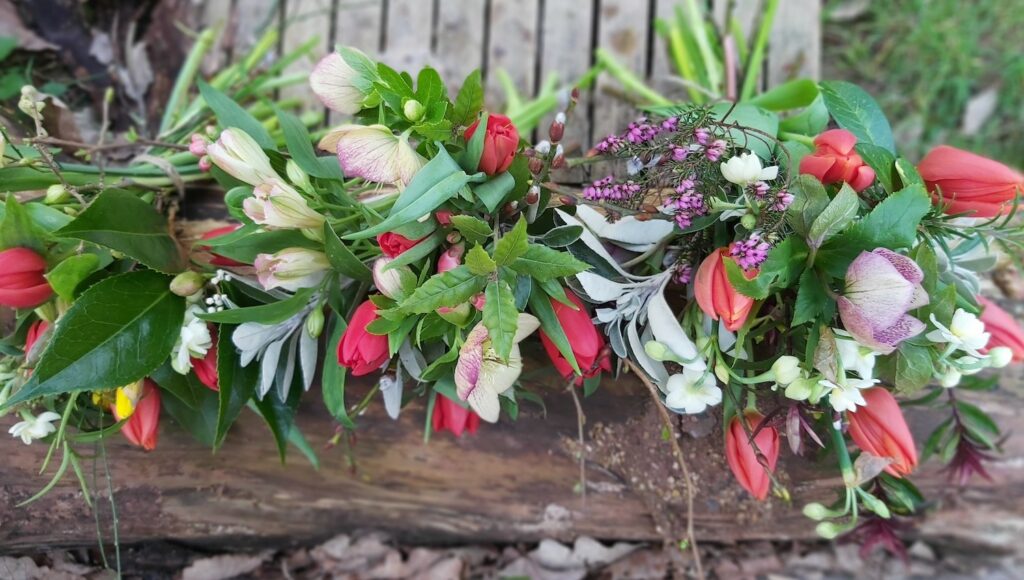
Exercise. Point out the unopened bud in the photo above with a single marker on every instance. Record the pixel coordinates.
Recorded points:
(297, 176)
(575, 94)
(649, 208)
(536, 165)
(543, 148)
(556, 131)
(748, 221)
(567, 200)
(453, 237)
(55, 194)
(205, 165)
(1000, 356)
(197, 145)
(510, 208)
(829, 530)
(558, 162)
(315, 323)
(413, 110)
(187, 283)
(816, 511)
(533, 195)
(529, 152)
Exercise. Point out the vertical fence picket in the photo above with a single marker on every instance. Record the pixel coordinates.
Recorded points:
(305, 20)
(357, 23)
(408, 34)
(459, 40)
(512, 48)
(795, 46)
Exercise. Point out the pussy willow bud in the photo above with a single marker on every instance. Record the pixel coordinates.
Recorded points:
(543, 148)
(315, 323)
(536, 165)
(413, 110)
(558, 162)
(557, 129)
(187, 283)
(56, 193)
(533, 195)
(529, 152)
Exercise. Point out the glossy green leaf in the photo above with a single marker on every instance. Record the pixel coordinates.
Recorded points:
(469, 101)
(812, 301)
(540, 306)
(494, 191)
(70, 272)
(191, 404)
(237, 383)
(231, 114)
(908, 369)
(792, 94)
(272, 313)
(543, 263)
(333, 377)
(500, 317)
(783, 266)
(809, 200)
(512, 245)
(450, 288)
(881, 160)
(341, 257)
(17, 228)
(479, 262)
(857, 112)
(836, 216)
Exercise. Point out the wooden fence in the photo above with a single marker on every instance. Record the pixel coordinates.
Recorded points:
(529, 39)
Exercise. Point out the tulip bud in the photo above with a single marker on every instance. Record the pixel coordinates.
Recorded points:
(748, 221)
(297, 176)
(786, 369)
(187, 283)
(880, 429)
(55, 194)
(315, 323)
(443, 217)
(1000, 356)
(413, 110)
(451, 258)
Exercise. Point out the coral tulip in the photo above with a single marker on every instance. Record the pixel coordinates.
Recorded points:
(1002, 328)
(206, 367)
(834, 160)
(500, 143)
(143, 415)
(880, 429)
(451, 416)
(22, 284)
(967, 183)
(881, 287)
(35, 332)
(742, 458)
(587, 343)
(359, 350)
(716, 296)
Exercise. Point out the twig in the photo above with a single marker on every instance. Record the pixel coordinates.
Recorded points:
(680, 458)
(93, 148)
(581, 419)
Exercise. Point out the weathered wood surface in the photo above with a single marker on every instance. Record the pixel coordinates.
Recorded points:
(509, 482)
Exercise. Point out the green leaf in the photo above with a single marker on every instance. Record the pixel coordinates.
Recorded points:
(747, 116)
(543, 263)
(561, 236)
(469, 101)
(272, 313)
(501, 317)
(237, 383)
(333, 377)
(279, 416)
(790, 95)
(117, 332)
(555, 290)
(472, 228)
(231, 114)
(493, 191)
(909, 368)
(933, 441)
(300, 146)
(811, 121)
(17, 228)
(67, 275)
(856, 111)
(835, 217)
(7, 46)
(907, 173)
(119, 220)
(977, 418)
(812, 301)
(881, 160)
(450, 288)
(245, 244)
(479, 262)
(809, 200)
(784, 264)
(470, 159)
(342, 259)
(512, 245)
(193, 406)
(540, 306)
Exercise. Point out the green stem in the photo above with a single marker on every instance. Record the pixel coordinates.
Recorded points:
(798, 137)
(845, 465)
(185, 78)
(757, 55)
(630, 81)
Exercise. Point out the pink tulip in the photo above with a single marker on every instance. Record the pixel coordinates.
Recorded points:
(359, 350)
(451, 416)
(716, 295)
(22, 284)
(141, 426)
(742, 458)
(881, 287)
(965, 182)
(587, 343)
(500, 143)
(880, 429)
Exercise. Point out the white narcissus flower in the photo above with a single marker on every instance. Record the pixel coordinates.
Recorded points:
(339, 86)
(240, 156)
(480, 375)
(855, 356)
(847, 396)
(745, 169)
(374, 153)
(276, 205)
(966, 332)
(291, 269)
(32, 428)
(692, 391)
(194, 340)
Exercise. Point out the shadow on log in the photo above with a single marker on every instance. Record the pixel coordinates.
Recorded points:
(513, 481)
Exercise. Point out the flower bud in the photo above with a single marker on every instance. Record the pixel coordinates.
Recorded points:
(205, 165)
(543, 148)
(567, 200)
(536, 165)
(394, 282)
(816, 511)
(533, 195)
(658, 351)
(722, 372)
(829, 530)
(559, 161)
(197, 145)
(443, 217)
(786, 369)
(315, 323)
(557, 129)
(748, 221)
(1000, 356)
(297, 176)
(55, 194)
(187, 283)
(413, 110)
(950, 378)
(803, 388)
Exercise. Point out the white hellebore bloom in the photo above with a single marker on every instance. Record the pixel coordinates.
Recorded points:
(194, 341)
(291, 268)
(854, 356)
(240, 156)
(480, 375)
(340, 87)
(745, 169)
(374, 153)
(786, 369)
(33, 428)
(276, 205)
(966, 332)
(692, 391)
(847, 396)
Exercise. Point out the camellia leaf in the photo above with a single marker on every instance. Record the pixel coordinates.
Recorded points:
(881, 160)
(501, 317)
(540, 306)
(272, 313)
(857, 112)
(341, 257)
(472, 228)
(193, 406)
(117, 332)
(479, 262)
(544, 263)
(511, 245)
(231, 114)
(450, 288)
(66, 276)
(17, 228)
(237, 383)
(119, 220)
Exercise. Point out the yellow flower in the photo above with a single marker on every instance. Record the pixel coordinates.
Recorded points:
(126, 399)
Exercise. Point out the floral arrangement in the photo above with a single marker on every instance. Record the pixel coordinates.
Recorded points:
(746, 260)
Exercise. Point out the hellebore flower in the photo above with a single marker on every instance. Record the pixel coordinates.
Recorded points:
(692, 391)
(339, 86)
(393, 245)
(451, 416)
(32, 427)
(292, 268)
(140, 404)
(374, 153)
(965, 332)
(22, 284)
(480, 375)
(500, 143)
(880, 429)
(1002, 328)
(969, 183)
(745, 169)
(854, 356)
(742, 458)
(881, 286)
(275, 204)
(588, 346)
(240, 156)
(716, 295)
(358, 350)
(848, 394)
(834, 160)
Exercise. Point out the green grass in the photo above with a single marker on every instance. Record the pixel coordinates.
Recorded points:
(925, 59)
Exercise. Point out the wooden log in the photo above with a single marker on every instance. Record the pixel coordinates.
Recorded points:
(513, 481)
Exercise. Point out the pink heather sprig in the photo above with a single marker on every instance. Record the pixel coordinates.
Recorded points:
(783, 199)
(751, 252)
(606, 189)
(684, 273)
(687, 203)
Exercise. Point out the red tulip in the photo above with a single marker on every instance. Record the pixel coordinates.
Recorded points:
(716, 295)
(880, 429)
(22, 284)
(359, 350)
(969, 182)
(454, 417)
(217, 259)
(206, 367)
(35, 332)
(835, 161)
(392, 244)
(500, 143)
(587, 343)
(742, 458)
(141, 427)
(1003, 329)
